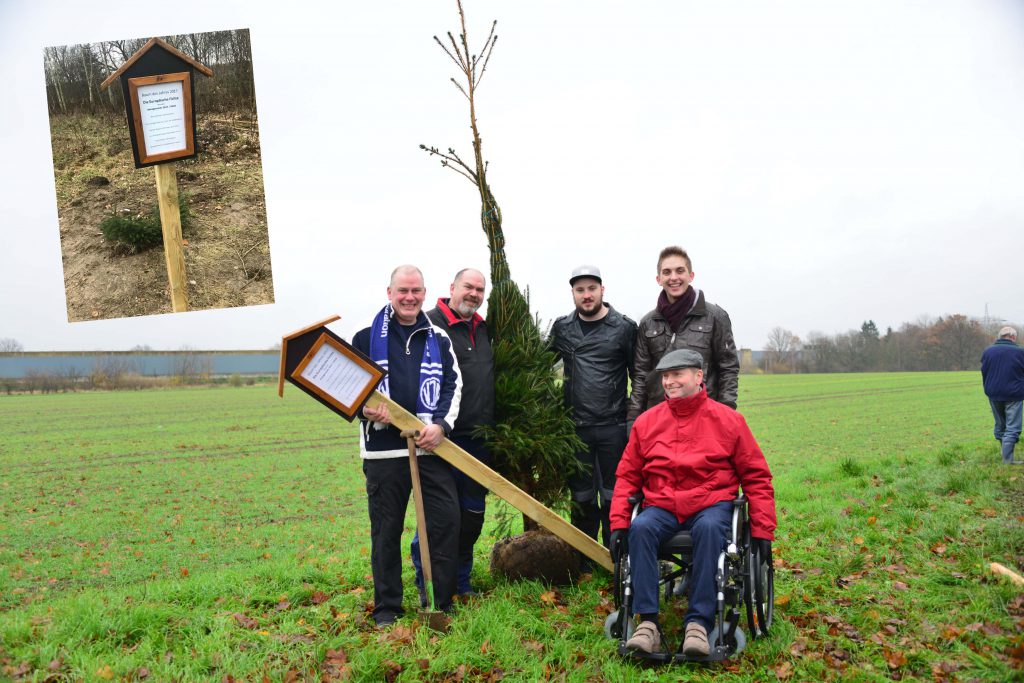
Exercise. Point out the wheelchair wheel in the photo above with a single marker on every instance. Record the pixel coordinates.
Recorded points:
(615, 629)
(739, 639)
(762, 575)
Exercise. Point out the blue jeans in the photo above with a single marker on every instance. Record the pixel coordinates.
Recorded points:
(1008, 425)
(709, 529)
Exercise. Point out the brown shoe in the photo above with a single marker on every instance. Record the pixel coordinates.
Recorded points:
(645, 639)
(696, 642)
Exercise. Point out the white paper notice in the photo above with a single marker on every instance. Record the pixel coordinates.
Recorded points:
(162, 108)
(337, 375)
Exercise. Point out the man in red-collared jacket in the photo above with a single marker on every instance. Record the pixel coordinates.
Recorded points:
(688, 455)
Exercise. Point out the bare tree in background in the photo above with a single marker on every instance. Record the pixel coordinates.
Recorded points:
(10, 345)
(782, 350)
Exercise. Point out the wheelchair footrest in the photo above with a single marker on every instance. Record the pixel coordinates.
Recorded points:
(717, 654)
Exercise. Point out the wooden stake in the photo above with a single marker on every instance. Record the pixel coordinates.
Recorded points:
(499, 485)
(997, 568)
(170, 223)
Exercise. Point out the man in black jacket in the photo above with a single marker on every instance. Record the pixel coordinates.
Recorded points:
(595, 343)
(423, 377)
(683, 320)
(458, 317)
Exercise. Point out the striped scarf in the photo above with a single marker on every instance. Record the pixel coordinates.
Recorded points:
(431, 371)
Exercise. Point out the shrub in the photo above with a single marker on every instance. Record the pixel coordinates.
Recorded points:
(136, 232)
(142, 232)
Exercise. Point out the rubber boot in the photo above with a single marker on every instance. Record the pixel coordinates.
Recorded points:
(414, 549)
(471, 523)
(1007, 451)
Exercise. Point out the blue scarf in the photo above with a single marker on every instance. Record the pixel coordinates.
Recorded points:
(431, 370)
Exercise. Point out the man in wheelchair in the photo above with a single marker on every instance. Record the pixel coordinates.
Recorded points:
(687, 457)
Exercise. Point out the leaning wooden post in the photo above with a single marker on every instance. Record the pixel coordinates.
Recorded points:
(170, 224)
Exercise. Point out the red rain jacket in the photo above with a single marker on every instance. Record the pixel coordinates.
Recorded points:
(689, 453)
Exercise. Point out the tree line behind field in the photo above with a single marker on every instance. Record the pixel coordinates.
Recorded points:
(953, 342)
(74, 72)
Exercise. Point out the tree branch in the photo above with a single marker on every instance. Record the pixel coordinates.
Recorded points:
(447, 51)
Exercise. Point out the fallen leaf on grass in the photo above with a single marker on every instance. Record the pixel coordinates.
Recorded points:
(56, 664)
(245, 621)
(105, 672)
(549, 597)
(900, 586)
(988, 512)
(485, 648)
(391, 670)
(142, 673)
(318, 597)
(781, 600)
(784, 671)
(872, 519)
(938, 549)
(183, 571)
(894, 658)
(398, 634)
(335, 666)
(533, 646)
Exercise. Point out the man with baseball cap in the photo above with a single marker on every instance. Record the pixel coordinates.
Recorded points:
(688, 456)
(595, 343)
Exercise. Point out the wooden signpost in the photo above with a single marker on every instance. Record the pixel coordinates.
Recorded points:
(334, 382)
(158, 95)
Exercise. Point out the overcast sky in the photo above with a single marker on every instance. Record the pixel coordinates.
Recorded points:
(823, 163)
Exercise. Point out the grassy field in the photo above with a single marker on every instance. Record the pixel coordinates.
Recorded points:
(221, 534)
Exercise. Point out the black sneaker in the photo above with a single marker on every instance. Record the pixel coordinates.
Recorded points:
(385, 619)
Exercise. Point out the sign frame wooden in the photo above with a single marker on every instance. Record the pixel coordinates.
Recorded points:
(183, 77)
(376, 374)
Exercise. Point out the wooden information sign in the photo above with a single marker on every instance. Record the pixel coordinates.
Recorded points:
(158, 93)
(303, 348)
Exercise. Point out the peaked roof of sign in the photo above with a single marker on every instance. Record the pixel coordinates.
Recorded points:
(293, 335)
(201, 68)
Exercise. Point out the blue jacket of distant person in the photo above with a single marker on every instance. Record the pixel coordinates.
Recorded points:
(405, 349)
(1002, 371)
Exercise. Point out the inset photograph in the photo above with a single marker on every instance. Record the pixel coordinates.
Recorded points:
(158, 175)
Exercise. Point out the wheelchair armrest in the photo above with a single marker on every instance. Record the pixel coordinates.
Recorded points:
(739, 520)
(636, 498)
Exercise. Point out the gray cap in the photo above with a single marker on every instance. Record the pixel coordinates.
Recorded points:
(680, 358)
(585, 271)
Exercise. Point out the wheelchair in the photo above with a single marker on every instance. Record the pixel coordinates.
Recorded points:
(745, 581)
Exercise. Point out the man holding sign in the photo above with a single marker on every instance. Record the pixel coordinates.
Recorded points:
(423, 377)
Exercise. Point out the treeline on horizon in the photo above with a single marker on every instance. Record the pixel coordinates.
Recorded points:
(74, 72)
(953, 342)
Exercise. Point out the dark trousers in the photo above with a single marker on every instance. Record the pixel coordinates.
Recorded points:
(709, 530)
(472, 505)
(388, 484)
(592, 486)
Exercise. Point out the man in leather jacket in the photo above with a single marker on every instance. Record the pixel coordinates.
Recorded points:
(595, 343)
(683, 320)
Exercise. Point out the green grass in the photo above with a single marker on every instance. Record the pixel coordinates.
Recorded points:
(195, 534)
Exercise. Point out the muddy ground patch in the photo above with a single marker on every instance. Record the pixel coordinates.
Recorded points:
(227, 252)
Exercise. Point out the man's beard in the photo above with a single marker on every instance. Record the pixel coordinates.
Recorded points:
(466, 309)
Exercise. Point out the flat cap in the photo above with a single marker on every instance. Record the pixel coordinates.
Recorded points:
(680, 358)
(585, 271)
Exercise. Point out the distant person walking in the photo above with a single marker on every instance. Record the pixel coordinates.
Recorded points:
(1002, 373)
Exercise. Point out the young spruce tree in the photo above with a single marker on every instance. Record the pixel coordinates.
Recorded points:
(534, 439)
